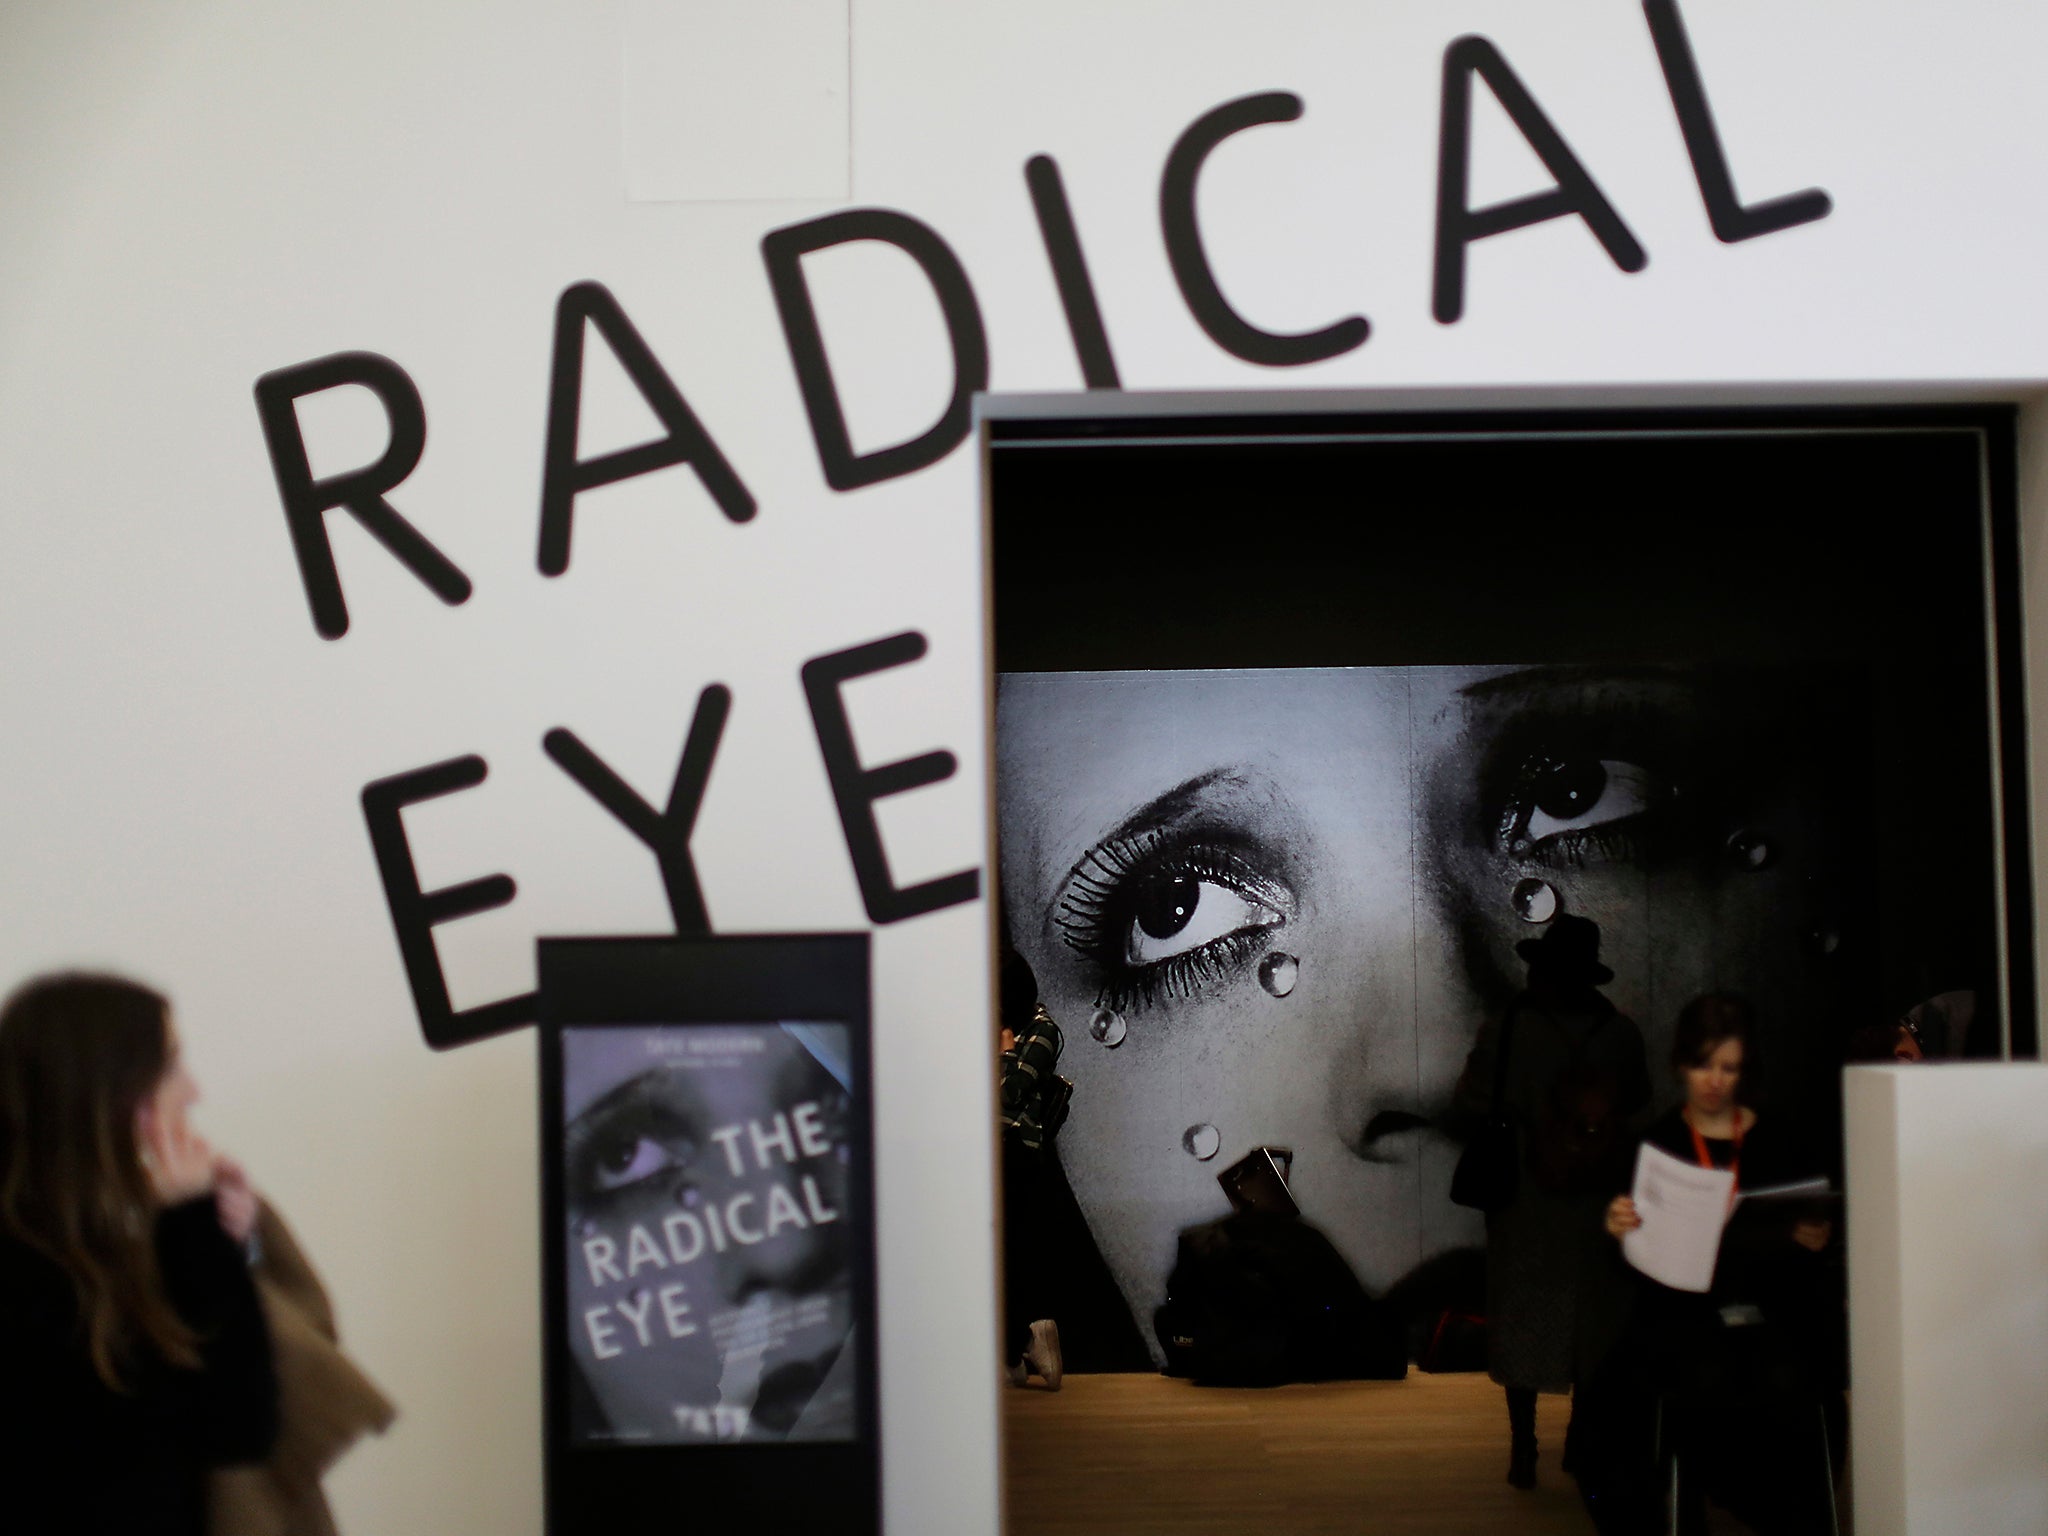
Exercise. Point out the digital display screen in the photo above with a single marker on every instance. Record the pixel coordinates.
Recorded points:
(708, 1175)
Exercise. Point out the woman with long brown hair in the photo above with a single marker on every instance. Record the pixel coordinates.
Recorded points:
(133, 1355)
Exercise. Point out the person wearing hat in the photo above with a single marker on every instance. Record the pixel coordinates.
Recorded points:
(1566, 1069)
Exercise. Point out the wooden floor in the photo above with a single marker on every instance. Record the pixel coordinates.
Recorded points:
(1139, 1455)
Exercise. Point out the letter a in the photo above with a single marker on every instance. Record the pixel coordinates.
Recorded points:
(686, 443)
(1457, 225)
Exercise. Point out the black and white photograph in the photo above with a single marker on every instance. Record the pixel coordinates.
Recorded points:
(705, 1175)
(1278, 907)
(1332, 754)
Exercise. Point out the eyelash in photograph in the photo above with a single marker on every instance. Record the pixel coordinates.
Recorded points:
(1184, 975)
(1100, 876)
(1087, 915)
(1619, 842)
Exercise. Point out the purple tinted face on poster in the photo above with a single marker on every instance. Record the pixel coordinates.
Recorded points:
(706, 1170)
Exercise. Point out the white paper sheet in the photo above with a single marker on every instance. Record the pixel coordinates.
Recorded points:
(1683, 1207)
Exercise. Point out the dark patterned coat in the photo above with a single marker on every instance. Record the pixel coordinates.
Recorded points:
(1556, 1292)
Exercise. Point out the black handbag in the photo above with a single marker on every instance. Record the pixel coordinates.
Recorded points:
(1486, 1174)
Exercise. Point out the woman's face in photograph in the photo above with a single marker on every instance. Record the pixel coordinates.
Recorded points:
(1292, 897)
(666, 1146)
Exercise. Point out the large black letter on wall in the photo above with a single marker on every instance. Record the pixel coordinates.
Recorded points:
(1730, 219)
(855, 789)
(308, 501)
(415, 913)
(1070, 272)
(1226, 327)
(1457, 226)
(783, 250)
(667, 831)
(686, 443)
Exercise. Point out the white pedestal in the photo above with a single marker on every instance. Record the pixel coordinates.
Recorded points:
(1948, 1298)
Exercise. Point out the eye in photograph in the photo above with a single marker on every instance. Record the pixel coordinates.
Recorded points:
(623, 1163)
(1166, 914)
(1580, 810)
(1578, 770)
(626, 1140)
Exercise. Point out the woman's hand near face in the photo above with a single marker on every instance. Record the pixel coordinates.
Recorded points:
(235, 1198)
(179, 1163)
(1621, 1217)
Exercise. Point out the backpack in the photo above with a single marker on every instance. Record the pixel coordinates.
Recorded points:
(1260, 1298)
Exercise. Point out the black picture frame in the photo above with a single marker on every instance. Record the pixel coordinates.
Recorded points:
(642, 1489)
(1098, 563)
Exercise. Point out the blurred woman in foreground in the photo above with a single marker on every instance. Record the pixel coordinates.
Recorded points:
(133, 1354)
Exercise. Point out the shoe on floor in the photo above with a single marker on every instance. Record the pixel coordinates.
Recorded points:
(1522, 1466)
(1017, 1374)
(1042, 1354)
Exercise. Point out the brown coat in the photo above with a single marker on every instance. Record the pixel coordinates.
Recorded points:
(326, 1403)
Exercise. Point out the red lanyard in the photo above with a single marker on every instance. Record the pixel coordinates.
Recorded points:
(1699, 1146)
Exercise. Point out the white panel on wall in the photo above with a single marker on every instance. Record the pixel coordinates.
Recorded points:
(1948, 1312)
(736, 100)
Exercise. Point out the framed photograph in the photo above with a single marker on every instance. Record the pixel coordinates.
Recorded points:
(1311, 723)
(708, 1213)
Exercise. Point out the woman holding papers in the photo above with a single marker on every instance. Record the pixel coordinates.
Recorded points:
(1727, 1349)
(1714, 1128)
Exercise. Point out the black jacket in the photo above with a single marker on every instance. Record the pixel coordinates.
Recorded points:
(77, 1457)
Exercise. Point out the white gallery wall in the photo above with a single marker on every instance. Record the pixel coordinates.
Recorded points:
(194, 195)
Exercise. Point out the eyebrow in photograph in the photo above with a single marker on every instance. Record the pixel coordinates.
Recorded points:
(1522, 681)
(1156, 815)
(634, 1093)
(1164, 810)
